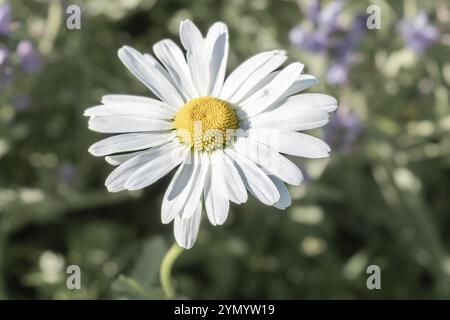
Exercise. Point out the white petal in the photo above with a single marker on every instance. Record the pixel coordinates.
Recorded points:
(152, 61)
(267, 95)
(216, 202)
(129, 110)
(134, 104)
(178, 190)
(270, 159)
(255, 180)
(190, 35)
(217, 44)
(291, 142)
(285, 197)
(129, 142)
(261, 84)
(117, 159)
(186, 230)
(186, 189)
(250, 73)
(202, 162)
(124, 99)
(317, 101)
(151, 76)
(196, 55)
(117, 178)
(289, 119)
(173, 59)
(234, 187)
(303, 82)
(156, 168)
(123, 124)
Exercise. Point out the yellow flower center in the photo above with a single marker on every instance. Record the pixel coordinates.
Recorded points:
(206, 123)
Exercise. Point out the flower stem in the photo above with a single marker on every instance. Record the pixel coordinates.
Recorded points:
(165, 270)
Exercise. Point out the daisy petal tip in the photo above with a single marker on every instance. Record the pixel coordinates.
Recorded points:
(185, 23)
(127, 48)
(111, 189)
(125, 51)
(298, 181)
(285, 206)
(110, 161)
(166, 220)
(131, 186)
(90, 125)
(334, 107)
(324, 155)
(244, 199)
(276, 198)
(121, 51)
(302, 66)
(326, 147)
(220, 24)
(298, 66)
(92, 151)
(213, 223)
(186, 246)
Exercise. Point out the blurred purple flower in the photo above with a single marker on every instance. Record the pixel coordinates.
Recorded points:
(5, 19)
(344, 51)
(327, 18)
(315, 41)
(418, 33)
(22, 102)
(313, 11)
(338, 73)
(330, 38)
(353, 37)
(325, 22)
(30, 60)
(343, 130)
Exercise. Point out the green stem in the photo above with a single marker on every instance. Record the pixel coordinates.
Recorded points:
(165, 270)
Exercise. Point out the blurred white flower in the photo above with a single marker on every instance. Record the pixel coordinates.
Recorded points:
(226, 135)
(51, 265)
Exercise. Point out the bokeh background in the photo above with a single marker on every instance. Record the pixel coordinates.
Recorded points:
(381, 198)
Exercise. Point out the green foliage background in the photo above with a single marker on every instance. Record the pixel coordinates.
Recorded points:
(386, 203)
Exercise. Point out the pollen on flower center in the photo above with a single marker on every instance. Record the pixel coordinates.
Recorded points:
(206, 123)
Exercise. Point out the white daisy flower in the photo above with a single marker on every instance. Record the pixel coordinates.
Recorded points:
(226, 136)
